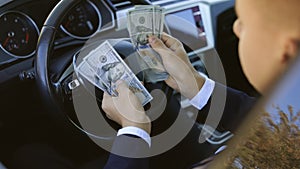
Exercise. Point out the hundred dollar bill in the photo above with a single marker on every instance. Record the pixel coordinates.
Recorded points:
(158, 17)
(152, 66)
(145, 20)
(108, 67)
(88, 73)
(140, 25)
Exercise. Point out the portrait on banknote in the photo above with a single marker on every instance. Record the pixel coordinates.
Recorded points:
(103, 67)
(145, 21)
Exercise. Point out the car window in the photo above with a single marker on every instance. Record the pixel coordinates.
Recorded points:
(270, 137)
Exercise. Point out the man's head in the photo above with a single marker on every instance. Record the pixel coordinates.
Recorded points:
(269, 33)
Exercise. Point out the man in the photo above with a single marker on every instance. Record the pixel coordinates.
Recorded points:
(269, 33)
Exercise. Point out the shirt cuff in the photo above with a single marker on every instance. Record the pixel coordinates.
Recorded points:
(222, 148)
(136, 132)
(202, 97)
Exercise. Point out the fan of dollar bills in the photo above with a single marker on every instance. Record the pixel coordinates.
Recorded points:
(143, 21)
(103, 67)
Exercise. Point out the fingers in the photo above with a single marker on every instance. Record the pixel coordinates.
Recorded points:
(158, 46)
(106, 102)
(106, 95)
(106, 98)
(156, 43)
(121, 86)
(166, 43)
(171, 42)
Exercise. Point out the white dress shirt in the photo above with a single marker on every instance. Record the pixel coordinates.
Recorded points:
(199, 101)
(136, 132)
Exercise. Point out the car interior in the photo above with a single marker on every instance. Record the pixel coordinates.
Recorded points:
(40, 39)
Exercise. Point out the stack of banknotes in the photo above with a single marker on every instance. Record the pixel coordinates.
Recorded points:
(144, 21)
(103, 67)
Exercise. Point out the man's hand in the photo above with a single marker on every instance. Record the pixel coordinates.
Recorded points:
(183, 77)
(126, 109)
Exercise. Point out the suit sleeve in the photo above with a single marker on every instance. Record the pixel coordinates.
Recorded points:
(128, 152)
(125, 148)
(237, 106)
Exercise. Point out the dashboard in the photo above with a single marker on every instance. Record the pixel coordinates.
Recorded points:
(22, 21)
(20, 28)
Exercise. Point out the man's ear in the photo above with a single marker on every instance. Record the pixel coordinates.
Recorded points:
(291, 50)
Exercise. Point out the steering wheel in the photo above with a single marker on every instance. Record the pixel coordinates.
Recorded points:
(53, 85)
(50, 89)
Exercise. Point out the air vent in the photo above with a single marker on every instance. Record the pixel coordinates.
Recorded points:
(121, 4)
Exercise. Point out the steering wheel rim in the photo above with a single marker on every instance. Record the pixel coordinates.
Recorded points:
(45, 49)
(48, 89)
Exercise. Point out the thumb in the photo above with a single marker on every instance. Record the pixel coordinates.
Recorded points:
(121, 86)
(157, 44)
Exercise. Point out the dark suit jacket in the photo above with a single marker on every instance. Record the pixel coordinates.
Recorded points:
(236, 108)
(124, 149)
